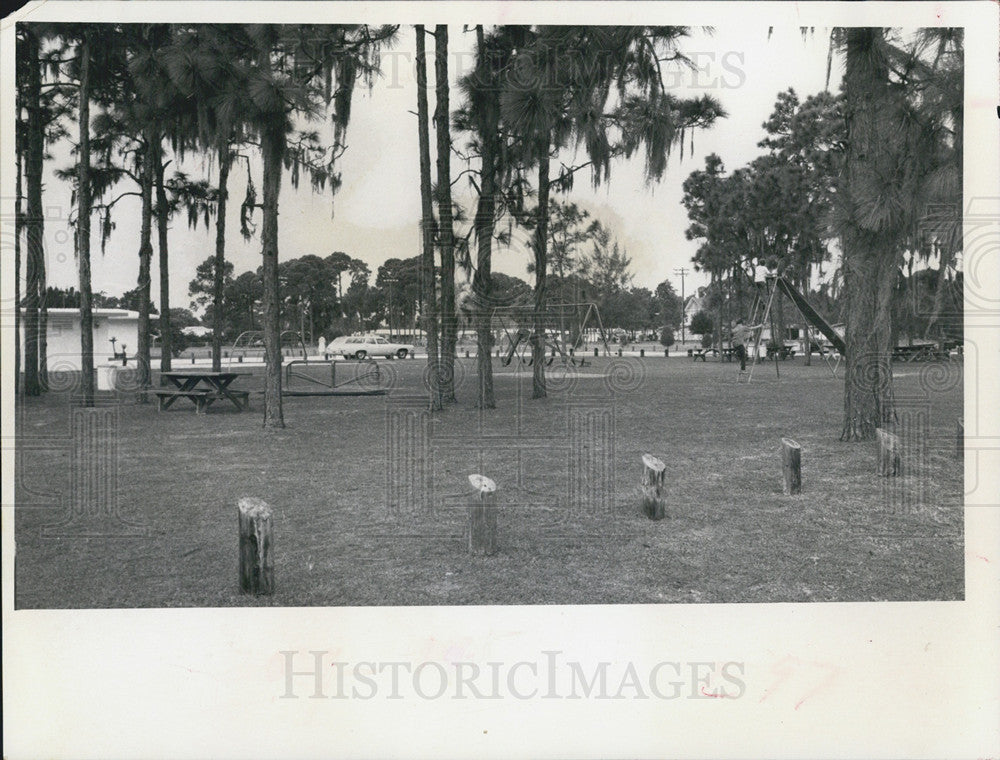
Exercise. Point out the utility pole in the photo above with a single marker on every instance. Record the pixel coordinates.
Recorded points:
(682, 271)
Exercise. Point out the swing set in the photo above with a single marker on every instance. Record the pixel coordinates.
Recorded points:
(563, 332)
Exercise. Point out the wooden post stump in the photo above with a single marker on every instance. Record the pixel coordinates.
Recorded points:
(642, 352)
(595, 352)
(888, 453)
(653, 473)
(483, 516)
(960, 438)
(256, 560)
(791, 466)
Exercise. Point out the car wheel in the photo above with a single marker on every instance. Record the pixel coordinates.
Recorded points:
(361, 355)
(401, 353)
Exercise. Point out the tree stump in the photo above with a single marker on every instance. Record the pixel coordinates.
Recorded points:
(642, 352)
(791, 466)
(256, 560)
(960, 438)
(889, 464)
(653, 473)
(483, 516)
(595, 352)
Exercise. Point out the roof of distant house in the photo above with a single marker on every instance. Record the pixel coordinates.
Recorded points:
(72, 312)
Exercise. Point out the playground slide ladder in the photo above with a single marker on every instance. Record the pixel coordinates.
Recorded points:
(804, 307)
(760, 329)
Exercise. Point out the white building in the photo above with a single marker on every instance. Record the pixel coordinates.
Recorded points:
(63, 335)
(692, 306)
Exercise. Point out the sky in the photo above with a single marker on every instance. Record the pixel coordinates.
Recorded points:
(375, 215)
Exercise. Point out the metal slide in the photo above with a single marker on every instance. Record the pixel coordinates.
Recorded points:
(813, 316)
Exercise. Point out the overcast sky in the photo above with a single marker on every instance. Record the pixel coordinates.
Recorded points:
(377, 210)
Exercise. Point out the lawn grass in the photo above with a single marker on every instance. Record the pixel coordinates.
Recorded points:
(732, 536)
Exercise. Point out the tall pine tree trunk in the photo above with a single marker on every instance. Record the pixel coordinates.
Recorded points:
(219, 280)
(43, 326)
(727, 303)
(273, 150)
(34, 221)
(143, 360)
(485, 211)
(427, 278)
(446, 235)
(84, 205)
(717, 277)
(541, 260)
(162, 216)
(869, 254)
(911, 308)
(18, 225)
(738, 277)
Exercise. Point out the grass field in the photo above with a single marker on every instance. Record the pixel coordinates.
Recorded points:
(343, 538)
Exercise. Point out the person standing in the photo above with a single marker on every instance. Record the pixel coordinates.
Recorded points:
(741, 334)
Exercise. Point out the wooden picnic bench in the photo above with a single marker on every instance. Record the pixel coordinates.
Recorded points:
(725, 354)
(241, 399)
(923, 352)
(784, 352)
(191, 384)
(700, 353)
(166, 396)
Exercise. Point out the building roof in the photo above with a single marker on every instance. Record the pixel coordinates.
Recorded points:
(106, 313)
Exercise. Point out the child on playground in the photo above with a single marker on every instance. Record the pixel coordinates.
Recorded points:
(741, 334)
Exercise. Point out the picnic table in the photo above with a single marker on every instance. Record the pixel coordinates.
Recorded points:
(783, 352)
(202, 388)
(726, 354)
(920, 352)
(700, 353)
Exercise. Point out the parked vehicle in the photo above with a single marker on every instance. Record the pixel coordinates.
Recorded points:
(363, 346)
